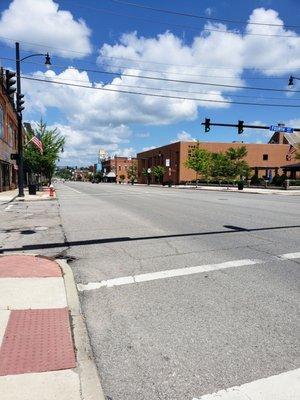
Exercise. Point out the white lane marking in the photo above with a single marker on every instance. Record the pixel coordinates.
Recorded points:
(285, 386)
(74, 190)
(4, 317)
(8, 207)
(290, 256)
(171, 273)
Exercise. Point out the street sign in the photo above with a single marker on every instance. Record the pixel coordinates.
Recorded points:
(286, 129)
(167, 162)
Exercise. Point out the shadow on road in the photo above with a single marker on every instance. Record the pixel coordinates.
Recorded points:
(230, 229)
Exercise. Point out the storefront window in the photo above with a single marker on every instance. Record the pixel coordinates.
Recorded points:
(10, 135)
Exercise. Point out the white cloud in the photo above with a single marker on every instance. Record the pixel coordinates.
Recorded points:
(208, 11)
(104, 117)
(148, 148)
(184, 136)
(41, 22)
(142, 135)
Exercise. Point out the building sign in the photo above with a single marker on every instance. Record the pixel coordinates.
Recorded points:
(277, 128)
(167, 162)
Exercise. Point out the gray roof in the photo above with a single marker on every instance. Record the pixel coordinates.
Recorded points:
(293, 138)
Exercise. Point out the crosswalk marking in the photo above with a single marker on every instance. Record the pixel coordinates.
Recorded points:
(171, 273)
(285, 386)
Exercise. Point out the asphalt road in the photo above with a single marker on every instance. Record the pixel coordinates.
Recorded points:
(176, 334)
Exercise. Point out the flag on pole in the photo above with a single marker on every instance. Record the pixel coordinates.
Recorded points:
(37, 142)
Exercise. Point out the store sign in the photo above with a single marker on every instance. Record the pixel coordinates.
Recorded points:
(167, 162)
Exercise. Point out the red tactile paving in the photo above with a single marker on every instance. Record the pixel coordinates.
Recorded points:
(26, 266)
(37, 341)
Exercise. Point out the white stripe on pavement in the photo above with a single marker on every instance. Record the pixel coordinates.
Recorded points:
(8, 207)
(74, 190)
(285, 386)
(290, 256)
(170, 273)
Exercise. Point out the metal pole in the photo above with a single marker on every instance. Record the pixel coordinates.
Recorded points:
(20, 130)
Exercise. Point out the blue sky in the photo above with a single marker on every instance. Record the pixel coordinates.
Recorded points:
(105, 35)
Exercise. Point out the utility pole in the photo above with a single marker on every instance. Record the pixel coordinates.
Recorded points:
(20, 128)
(20, 108)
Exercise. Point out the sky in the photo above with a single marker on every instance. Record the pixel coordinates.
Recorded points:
(113, 47)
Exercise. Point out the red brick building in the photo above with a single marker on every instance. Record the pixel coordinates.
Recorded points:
(114, 168)
(8, 139)
(262, 158)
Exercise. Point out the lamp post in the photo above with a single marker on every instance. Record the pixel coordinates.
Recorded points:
(20, 108)
(291, 80)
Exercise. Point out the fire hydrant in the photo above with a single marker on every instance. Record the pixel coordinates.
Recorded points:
(52, 191)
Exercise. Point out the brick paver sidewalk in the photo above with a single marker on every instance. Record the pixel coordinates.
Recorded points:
(37, 357)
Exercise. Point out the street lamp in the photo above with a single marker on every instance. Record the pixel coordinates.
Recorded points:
(291, 80)
(20, 108)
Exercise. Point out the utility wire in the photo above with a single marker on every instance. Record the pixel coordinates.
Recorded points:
(173, 90)
(183, 14)
(130, 59)
(190, 82)
(150, 70)
(104, 10)
(159, 95)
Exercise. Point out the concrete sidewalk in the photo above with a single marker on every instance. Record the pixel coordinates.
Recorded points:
(11, 195)
(44, 347)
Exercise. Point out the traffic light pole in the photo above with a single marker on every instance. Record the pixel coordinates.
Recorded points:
(20, 129)
(240, 126)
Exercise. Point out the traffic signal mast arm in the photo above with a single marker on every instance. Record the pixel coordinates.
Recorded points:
(240, 126)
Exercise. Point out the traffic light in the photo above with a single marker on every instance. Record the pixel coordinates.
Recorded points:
(291, 81)
(207, 124)
(20, 102)
(240, 127)
(10, 83)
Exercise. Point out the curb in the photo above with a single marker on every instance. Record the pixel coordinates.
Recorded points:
(89, 380)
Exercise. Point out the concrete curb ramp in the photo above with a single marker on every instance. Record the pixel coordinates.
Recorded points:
(38, 360)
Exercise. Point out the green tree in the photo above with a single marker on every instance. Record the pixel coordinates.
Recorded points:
(43, 164)
(63, 173)
(239, 168)
(221, 166)
(122, 178)
(200, 160)
(159, 171)
(132, 172)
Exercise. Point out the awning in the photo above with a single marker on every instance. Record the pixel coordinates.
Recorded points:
(110, 174)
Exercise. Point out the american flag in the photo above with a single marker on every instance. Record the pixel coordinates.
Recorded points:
(36, 141)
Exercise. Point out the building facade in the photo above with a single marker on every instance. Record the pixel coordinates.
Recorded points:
(114, 169)
(264, 159)
(8, 139)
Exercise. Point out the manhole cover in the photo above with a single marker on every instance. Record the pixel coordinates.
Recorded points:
(41, 228)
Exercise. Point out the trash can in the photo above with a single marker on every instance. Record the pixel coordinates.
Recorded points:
(240, 185)
(32, 189)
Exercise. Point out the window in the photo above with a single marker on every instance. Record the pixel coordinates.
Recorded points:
(10, 135)
(1, 122)
(265, 157)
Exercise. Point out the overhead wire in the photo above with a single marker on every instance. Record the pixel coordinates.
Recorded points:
(206, 17)
(149, 70)
(204, 29)
(158, 95)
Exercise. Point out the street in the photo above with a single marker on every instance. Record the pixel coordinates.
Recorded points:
(180, 336)
(184, 292)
